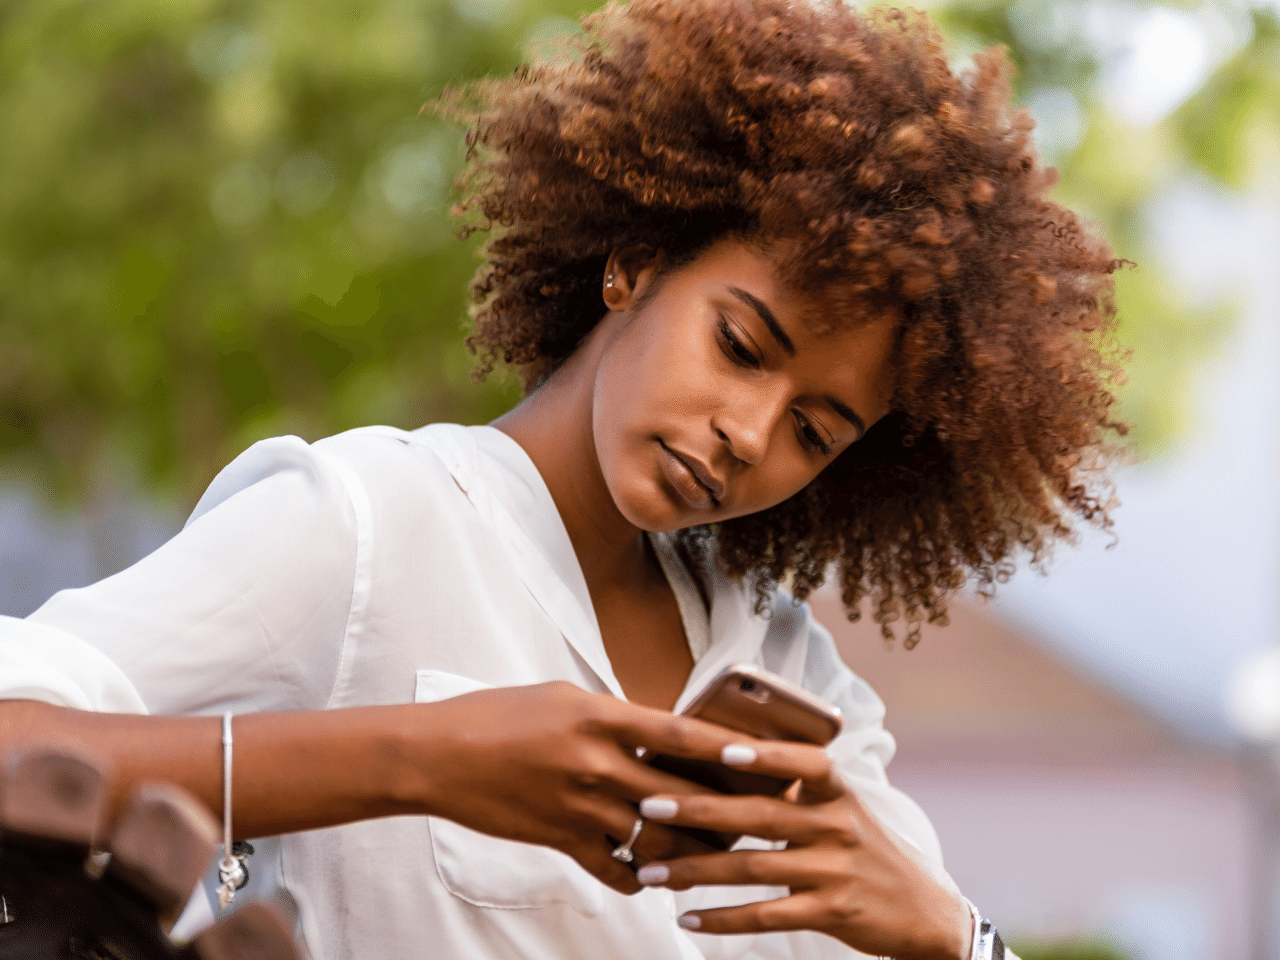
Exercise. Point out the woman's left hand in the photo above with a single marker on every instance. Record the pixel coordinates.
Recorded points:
(847, 875)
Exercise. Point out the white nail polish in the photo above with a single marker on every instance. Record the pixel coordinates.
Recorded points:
(658, 808)
(737, 755)
(690, 922)
(653, 873)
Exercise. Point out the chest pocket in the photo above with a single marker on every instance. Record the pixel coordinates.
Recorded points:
(503, 874)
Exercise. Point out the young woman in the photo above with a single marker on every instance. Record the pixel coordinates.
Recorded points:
(787, 295)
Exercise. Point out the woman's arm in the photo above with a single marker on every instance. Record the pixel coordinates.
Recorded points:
(549, 764)
(293, 771)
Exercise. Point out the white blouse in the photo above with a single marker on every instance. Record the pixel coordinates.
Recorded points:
(382, 567)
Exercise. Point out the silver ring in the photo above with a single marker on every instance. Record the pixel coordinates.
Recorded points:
(622, 851)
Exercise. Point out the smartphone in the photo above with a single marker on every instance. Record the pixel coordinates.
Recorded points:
(756, 701)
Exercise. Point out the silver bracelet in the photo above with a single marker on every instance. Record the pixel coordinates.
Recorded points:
(231, 869)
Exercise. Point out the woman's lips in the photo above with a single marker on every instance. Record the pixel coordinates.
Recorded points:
(686, 483)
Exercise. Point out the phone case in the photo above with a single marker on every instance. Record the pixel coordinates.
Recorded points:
(754, 700)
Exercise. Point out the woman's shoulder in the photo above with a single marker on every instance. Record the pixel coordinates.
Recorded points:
(368, 468)
(381, 448)
(391, 460)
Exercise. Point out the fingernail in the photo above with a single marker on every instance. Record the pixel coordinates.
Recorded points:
(652, 873)
(737, 755)
(658, 808)
(690, 921)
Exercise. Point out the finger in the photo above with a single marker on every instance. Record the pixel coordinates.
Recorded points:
(634, 780)
(614, 769)
(593, 854)
(659, 842)
(798, 869)
(788, 761)
(765, 817)
(783, 761)
(616, 819)
(663, 732)
(695, 739)
(660, 732)
(613, 873)
(586, 844)
(800, 911)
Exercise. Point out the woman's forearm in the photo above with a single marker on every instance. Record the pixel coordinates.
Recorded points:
(550, 764)
(292, 771)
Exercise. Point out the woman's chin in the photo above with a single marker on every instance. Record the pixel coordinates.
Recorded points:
(653, 510)
(656, 521)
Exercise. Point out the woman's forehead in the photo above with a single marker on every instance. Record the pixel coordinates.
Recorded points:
(767, 269)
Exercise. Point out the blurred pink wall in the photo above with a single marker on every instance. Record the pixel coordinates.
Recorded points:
(1064, 810)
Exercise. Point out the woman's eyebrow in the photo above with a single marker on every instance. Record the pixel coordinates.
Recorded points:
(784, 341)
(845, 411)
(770, 321)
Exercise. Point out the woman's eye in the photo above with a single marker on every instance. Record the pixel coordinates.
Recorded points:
(735, 348)
(812, 438)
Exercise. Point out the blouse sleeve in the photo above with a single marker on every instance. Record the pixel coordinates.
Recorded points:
(246, 609)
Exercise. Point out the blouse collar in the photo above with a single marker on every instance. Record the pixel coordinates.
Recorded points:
(505, 486)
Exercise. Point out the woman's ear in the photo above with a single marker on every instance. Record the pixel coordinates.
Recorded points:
(627, 273)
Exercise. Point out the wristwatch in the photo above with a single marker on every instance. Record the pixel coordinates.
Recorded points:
(989, 945)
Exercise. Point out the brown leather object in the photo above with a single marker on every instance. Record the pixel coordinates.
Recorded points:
(57, 902)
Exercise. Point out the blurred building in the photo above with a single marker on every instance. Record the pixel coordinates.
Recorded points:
(1067, 811)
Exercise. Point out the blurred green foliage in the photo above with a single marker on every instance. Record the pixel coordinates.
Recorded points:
(224, 219)
(1068, 950)
(1112, 170)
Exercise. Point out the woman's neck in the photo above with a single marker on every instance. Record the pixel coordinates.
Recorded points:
(554, 427)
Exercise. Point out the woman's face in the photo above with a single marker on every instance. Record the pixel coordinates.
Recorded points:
(720, 396)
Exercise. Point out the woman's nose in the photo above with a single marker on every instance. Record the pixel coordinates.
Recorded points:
(747, 425)
(746, 445)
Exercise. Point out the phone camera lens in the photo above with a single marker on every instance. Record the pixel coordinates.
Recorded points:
(746, 686)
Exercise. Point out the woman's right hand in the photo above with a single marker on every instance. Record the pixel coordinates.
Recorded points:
(556, 765)
(550, 764)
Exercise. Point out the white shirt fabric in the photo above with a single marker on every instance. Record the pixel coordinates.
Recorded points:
(383, 567)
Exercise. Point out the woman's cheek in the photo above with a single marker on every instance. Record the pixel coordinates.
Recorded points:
(782, 484)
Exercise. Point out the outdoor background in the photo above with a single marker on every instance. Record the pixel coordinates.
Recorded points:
(221, 221)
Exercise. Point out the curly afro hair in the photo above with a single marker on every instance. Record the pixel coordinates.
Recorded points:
(899, 187)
